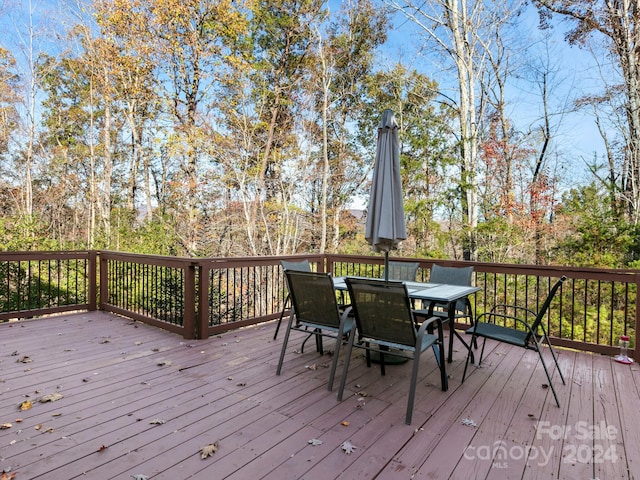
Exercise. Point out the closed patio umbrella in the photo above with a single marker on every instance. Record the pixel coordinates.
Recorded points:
(385, 220)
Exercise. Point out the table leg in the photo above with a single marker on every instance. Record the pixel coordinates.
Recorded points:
(453, 331)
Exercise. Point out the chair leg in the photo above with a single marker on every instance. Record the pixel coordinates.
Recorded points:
(474, 338)
(555, 359)
(318, 337)
(471, 320)
(284, 343)
(438, 349)
(412, 386)
(336, 354)
(546, 371)
(381, 350)
(484, 341)
(284, 309)
(345, 369)
(367, 354)
(466, 363)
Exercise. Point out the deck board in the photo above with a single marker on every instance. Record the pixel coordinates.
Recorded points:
(118, 376)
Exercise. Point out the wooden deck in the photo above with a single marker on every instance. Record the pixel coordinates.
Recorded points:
(138, 400)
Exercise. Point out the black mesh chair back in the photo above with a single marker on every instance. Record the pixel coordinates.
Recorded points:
(402, 271)
(313, 298)
(383, 312)
(520, 326)
(385, 324)
(299, 266)
(453, 276)
(315, 312)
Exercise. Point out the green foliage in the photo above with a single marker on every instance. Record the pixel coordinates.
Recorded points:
(34, 284)
(25, 233)
(594, 234)
(157, 236)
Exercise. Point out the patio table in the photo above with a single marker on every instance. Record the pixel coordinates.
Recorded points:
(432, 293)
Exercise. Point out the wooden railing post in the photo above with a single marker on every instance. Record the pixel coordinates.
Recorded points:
(104, 282)
(189, 320)
(93, 281)
(202, 323)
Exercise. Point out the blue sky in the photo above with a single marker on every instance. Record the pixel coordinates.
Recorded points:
(576, 136)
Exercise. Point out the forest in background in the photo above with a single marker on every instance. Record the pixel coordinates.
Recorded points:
(231, 128)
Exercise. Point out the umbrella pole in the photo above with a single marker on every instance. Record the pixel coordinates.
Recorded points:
(386, 266)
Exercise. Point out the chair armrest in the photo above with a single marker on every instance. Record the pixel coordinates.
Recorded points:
(504, 307)
(428, 323)
(428, 320)
(492, 319)
(346, 312)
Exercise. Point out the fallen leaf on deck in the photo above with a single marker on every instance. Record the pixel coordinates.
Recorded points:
(106, 340)
(544, 385)
(15, 353)
(38, 426)
(7, 476)
(18, 420)
(51, 397)
(345, 423)
(139, 476)
(348, 447)
(362, 394)
(311, 367)
(315, 442)
(102, 448)
(469, 423)
(138, 343)
(26, 405)
(157, 421)
(5, 426)
(208, 450)
(241, 384)
(24, 359)
(165, 363)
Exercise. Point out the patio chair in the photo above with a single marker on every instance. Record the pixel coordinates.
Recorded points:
(463, 309)
(300, 266)
(385, 324)
(402, 271)
(315, 312)
(527, 331)
(453, 276)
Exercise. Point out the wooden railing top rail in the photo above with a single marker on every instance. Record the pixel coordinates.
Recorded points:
(182, 294)
(509, 268)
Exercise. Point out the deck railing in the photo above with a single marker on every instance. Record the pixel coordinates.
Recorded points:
(201, 297)
(42, 283)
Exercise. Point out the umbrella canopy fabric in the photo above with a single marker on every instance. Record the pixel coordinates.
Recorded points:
(385, 220)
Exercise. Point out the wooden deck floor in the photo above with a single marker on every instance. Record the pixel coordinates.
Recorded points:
(141, 401)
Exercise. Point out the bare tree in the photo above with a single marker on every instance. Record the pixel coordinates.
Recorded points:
(464, 31)
(616, 23)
